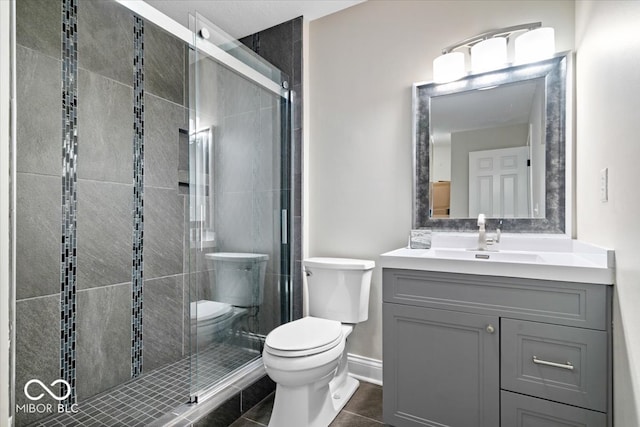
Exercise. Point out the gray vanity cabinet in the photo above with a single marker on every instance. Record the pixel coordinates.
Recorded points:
(454, 383)
(464, 350)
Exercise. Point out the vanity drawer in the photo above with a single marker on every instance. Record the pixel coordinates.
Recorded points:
(517, 410)
(564, 303)
(560, 363)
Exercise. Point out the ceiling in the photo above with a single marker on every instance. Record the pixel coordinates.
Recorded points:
(241, 18)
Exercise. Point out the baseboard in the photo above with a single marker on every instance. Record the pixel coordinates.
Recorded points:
(365, 368)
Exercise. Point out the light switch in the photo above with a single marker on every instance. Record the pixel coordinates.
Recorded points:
(604, 185)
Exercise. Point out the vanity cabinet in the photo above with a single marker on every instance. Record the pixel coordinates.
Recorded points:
(464, 365)
(464, 350)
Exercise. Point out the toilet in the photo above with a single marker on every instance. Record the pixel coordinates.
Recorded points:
(214, 320)
(307, 358)
(238, 278)
(237, 288)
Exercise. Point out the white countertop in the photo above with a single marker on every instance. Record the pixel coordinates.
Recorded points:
(545, 257)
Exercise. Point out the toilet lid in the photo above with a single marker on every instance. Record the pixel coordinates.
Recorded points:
(306, 336)
(207, 310)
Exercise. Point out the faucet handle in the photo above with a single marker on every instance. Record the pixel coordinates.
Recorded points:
(482, 219)
(494, 240)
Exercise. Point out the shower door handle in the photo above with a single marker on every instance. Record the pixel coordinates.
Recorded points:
(284, 226)
(201, 222)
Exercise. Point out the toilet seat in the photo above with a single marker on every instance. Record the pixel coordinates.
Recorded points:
(304, 337)
(214, 320)
(210, 310)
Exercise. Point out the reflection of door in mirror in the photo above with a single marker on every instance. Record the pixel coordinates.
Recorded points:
(480, 140)
(497, 117)
(498, 183)
(440, 197)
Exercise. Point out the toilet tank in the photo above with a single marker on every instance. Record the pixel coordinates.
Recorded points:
(237, 278)
(338, 288)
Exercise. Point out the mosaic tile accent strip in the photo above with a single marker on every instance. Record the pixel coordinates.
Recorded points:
(137, 269)
(147, 398)
(68, 244)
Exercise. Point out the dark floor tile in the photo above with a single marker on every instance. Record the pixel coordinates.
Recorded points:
(256, 392)
(367, 401)
(222, 416)
(245, 422)
(347, 419)
(262, 411)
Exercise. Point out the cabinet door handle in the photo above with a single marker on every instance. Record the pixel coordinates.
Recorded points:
(567, 365)
(490, 329)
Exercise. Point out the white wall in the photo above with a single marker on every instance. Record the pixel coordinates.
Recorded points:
(607, 129)
(362, 63)
(440, 159)
(5, 276)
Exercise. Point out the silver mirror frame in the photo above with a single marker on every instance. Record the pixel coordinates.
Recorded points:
(555, 72)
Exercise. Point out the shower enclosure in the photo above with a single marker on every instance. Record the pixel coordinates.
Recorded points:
(239, 197)
(150, 270)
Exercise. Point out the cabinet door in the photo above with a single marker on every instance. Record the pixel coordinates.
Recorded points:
(441, 368)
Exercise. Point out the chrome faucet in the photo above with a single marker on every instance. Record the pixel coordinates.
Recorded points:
(483, 241)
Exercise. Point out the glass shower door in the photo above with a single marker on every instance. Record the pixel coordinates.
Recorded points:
(239, 185)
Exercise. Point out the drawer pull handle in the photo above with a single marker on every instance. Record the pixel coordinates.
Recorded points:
(567, 365)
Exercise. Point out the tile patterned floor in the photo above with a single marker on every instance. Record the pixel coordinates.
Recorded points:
(363, 410)
(139, 402)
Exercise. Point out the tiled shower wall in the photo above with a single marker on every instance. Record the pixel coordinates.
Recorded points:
(281, 45)
(104, 190)
(104, 187)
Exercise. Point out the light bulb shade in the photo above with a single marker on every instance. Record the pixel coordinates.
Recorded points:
(448, 67)
(489, 54)
(535, 45)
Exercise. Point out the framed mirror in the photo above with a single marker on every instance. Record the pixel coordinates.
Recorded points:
(493, 143)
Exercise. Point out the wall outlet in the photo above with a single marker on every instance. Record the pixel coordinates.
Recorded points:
(604, 185)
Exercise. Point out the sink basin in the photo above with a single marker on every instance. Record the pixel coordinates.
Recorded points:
(532, 257)
(500, 256)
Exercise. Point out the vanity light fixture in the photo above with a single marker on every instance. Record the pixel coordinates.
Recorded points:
(488, 51)
(489, 54)
(535, 45)
(448, 67)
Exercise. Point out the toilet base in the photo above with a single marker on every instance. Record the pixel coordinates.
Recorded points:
(342, 395)
(315, 404)
(304, 406)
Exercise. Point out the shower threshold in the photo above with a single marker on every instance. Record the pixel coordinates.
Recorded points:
(161, 397)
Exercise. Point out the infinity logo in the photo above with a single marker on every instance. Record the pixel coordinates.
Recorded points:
(47, 389)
